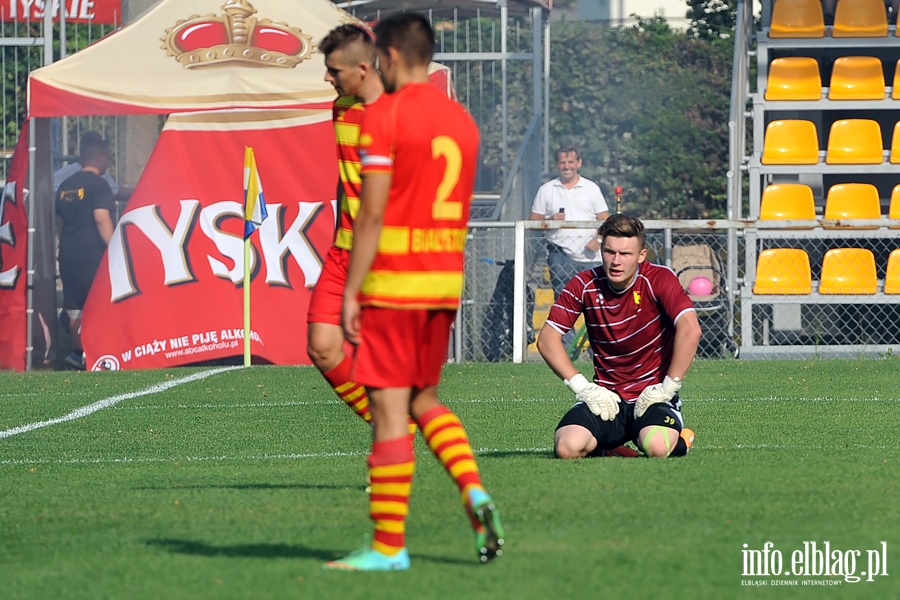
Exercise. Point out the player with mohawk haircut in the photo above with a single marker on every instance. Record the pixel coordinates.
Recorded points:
(419, 155)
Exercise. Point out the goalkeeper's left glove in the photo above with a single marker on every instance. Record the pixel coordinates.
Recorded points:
(654, 394)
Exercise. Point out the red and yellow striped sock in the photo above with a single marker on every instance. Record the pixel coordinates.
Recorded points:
(353, 394)
(448, 441)
(391, 467)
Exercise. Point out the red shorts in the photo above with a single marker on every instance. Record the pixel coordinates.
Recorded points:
(402, 348)
(328, 295)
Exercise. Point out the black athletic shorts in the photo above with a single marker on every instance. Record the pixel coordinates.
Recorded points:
(76, 282)
(624, 428)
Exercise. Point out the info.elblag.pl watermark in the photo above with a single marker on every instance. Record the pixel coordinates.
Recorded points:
(813, 563)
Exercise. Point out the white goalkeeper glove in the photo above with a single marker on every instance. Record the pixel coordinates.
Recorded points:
(654, 394)
(600, 401)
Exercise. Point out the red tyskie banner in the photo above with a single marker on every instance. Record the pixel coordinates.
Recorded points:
(169, 290)
(100, 12)
(13, 259)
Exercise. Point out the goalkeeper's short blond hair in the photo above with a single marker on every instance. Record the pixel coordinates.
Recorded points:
(623, 226)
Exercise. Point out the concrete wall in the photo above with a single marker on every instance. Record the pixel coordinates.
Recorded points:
(137, 135)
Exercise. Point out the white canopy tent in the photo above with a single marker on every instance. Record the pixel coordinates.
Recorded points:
(219, 58)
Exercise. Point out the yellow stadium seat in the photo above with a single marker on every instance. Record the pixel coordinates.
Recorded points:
(895, 92)
(791, 142)
(892, 278)
(860, 18)
(894, 210)
(787, 202)
(794, 78)
(857, 78)
(852, 201)
(783, 271)
(797, 19)
(848, 271)
(895, 144)
(544, 297)
(855, 142)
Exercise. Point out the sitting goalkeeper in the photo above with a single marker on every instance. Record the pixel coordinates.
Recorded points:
(644, 332)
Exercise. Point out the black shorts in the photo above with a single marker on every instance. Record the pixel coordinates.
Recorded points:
(76, 282)
(624, 428)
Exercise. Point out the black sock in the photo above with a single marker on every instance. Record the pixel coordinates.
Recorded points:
(680, 448)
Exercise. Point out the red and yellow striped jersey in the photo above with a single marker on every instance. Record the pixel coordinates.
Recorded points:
(428, 144)
(348, 114)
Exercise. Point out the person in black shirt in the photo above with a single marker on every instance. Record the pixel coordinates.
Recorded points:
(84, 207)
(63, 173)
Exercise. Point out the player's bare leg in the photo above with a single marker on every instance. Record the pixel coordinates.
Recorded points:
(325, 346)
(76, 357)
(663, 442)
(447, 439)
(391, 467)
(573, 441)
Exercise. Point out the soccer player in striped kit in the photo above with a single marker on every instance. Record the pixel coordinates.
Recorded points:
(404, 283)
(644, 332)
(350, 67)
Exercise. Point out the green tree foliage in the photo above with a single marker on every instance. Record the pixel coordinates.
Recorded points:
(712, 20)
(649, 107)
(18, 61)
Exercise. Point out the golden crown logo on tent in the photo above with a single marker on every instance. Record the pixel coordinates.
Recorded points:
(236, 37)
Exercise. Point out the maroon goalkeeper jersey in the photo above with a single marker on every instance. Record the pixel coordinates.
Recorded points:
(632, 331)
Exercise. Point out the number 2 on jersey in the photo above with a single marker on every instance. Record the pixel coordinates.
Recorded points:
(444, 146)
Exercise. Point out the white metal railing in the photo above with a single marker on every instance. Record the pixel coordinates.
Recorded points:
(735, 241)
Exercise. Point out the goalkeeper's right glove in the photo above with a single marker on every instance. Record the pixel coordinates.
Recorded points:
(601, 401)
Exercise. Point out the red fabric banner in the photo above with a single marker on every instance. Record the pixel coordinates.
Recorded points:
(169, 290)
(47, 101)
(99, 12)
(13, 259)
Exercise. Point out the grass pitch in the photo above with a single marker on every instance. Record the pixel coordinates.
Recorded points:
(241, 484)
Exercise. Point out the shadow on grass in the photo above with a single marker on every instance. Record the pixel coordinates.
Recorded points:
(548, 453)
(413, 556)
(251, 486)
(198, 548)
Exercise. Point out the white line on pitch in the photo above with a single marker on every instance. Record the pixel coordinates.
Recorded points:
(561, 398)
(290, 403)
(255, 457)
(84, 411)
(186, 459)
(318, 455)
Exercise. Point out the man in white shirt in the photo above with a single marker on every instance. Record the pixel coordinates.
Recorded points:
(570, 197)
